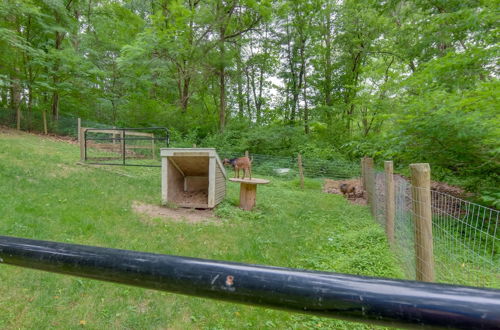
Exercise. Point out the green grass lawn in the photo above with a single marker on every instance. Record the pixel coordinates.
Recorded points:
(45, 195)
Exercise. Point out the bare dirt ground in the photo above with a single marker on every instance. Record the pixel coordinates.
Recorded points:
(192, 198)
(333, 187)
(50, 136)
(149, 212)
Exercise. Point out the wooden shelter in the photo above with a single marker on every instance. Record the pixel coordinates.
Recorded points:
(192, 177)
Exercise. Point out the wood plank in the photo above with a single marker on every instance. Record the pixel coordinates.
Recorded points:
(164, 181)
(133, 133)
(128, 146)
(211, 182)
(253, 181)
(191, 154)
(192, 166)
(104, 131)
(176, 166)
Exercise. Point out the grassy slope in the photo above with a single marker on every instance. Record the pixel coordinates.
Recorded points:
(45, 195)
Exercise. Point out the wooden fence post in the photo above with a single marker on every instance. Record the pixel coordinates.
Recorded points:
(81, 139)
(421, 192)
(363, 174)
(153, 151)
(301, 171)
(44, 119)
(123, 146)
(389, 201)
(79, 128)
(370, 183)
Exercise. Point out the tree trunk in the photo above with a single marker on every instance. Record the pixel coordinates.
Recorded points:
(249, 108)
(306, 108)
(327, 88)
(30, 106)
(59, 37)
(44, 118)
(239, 72)
(261, 87)
(16, 99)
(185, 94)
(222, 100)
(222, 81)
(254, 94)
(44, 113)
(293, 77)
(55, 104)
(304, 95)
(4, 97)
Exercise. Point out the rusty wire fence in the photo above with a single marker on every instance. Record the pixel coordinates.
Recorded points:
(465, 235)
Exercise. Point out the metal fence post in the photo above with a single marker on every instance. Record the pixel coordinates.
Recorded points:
(123, 145)
(421, 192)
(389, 201)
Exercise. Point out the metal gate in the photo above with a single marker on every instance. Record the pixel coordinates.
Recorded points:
(123, 146)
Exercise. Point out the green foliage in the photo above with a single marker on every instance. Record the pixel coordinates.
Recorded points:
(411, 81)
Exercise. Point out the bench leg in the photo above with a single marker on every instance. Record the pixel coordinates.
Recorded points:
(248, 193)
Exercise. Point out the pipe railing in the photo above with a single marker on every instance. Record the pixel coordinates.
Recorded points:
(355, 298)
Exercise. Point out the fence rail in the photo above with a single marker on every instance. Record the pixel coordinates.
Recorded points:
(355, 298)
(465, 235)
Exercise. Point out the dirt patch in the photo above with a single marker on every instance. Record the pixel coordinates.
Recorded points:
(333, 187)
(450, 190)
(150, 212)
(58, 138)
(13, 132)
(192, 198)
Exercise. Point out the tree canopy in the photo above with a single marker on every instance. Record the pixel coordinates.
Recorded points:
(406, 80)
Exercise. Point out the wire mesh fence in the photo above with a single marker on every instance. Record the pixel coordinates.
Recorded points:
(288, 168)
(32, 121)
(465, 240)
(124, 146)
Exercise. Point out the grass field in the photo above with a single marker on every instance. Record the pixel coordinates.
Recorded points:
(45, 195)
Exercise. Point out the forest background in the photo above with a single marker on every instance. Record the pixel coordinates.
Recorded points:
(409, 81)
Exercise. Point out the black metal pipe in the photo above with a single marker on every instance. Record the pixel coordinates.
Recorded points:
(85, 145)
(123, 146)
(355, 298)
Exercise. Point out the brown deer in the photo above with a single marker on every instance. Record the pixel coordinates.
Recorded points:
(243, 163)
